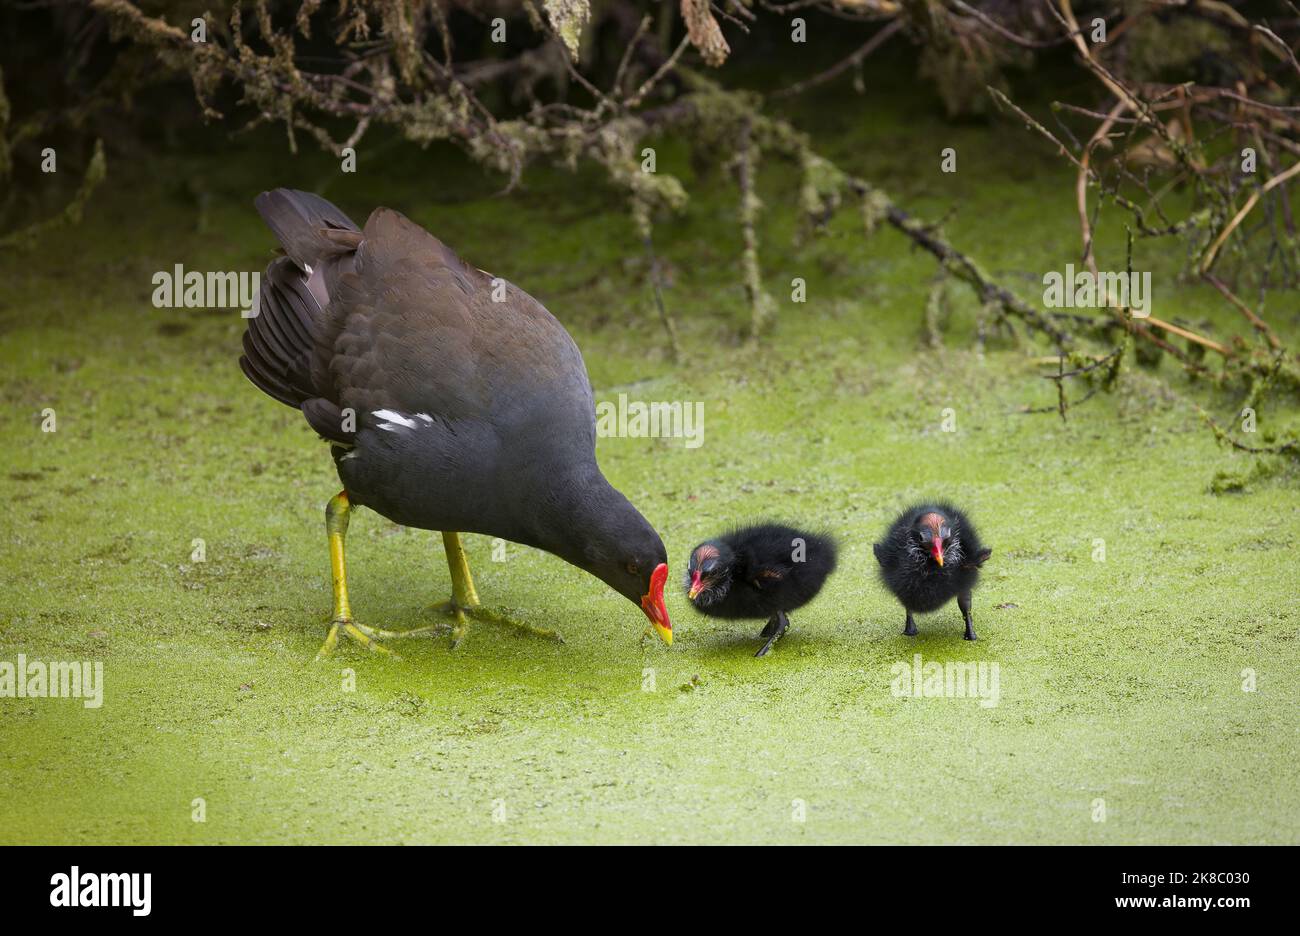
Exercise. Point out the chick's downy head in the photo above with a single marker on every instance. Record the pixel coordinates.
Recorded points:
(937, 538)
(708, 575)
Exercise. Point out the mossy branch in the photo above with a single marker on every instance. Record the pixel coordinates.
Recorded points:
(72, 213)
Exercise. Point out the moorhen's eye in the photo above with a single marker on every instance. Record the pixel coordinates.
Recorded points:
(631, 568)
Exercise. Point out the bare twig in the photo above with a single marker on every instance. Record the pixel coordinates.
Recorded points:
(870, 46)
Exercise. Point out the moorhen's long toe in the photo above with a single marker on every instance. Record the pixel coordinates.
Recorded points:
(464, 605)
(462, 615)
(337, 514)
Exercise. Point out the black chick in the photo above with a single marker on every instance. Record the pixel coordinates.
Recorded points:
(930, 554)
(760, 571)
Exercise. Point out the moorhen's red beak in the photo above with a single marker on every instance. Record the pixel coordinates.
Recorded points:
(652, 603)
(936, 550)
(697, 584)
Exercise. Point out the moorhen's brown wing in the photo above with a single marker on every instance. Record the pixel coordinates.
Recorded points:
(471, 400)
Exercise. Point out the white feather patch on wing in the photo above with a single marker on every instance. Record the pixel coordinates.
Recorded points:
(393, 420)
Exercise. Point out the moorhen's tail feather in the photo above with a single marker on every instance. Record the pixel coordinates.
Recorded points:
(302, 223)
(268, 385)
(284, 340)
(279, 344)
(327, 419)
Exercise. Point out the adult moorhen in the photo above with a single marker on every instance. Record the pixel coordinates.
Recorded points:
(452, 401)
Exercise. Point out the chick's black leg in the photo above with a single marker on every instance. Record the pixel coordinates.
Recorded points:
(773, 632)
(963, 602)
(909, 627)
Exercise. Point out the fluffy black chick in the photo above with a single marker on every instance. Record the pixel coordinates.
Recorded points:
(760, 571)
(930, 554)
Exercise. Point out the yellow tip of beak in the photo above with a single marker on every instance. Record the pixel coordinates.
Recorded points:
(665, 633)
(939, 559)
(692, 593)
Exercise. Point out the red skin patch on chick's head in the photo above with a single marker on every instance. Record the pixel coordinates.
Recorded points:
(707, 551)
(698, 558)
(935, 522)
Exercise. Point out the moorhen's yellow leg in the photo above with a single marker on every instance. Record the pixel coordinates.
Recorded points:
(463, 593)
(464, 597)
(336, 527)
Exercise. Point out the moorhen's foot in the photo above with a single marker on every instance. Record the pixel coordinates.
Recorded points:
(773, 632)
(970, 634)
(337, 512)
(460, 613)
(369, 637)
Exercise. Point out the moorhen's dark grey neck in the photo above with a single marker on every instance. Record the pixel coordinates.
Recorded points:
(587, 503)
(586, 522)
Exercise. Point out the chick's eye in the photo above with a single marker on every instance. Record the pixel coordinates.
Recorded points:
(945, 532)
(926, 536)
